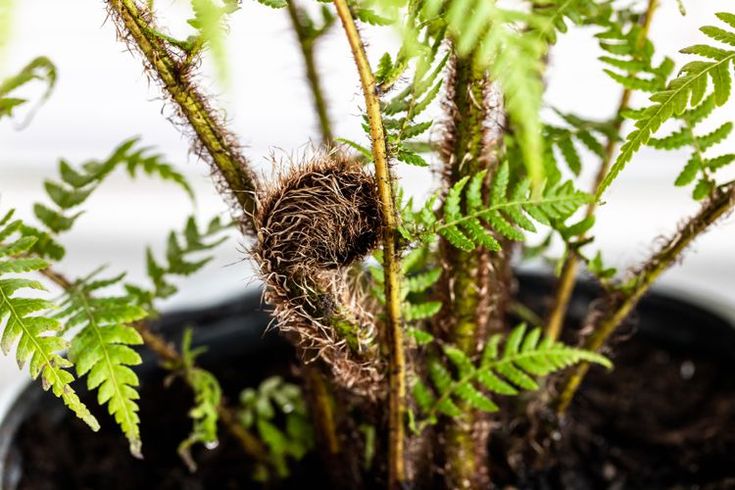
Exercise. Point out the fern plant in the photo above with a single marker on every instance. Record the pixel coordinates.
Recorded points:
(524, 356)
(400, 310)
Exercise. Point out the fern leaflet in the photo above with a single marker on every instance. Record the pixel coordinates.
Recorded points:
(101, 349)
(28, 322)
(524, 357)
(207, 398)
(698, 164)
(507, 212)
(685, 91)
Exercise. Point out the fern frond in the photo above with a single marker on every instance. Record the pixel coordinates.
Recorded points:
(209, 22)
(41, 69)
(525, 357)
(185, 255)
(698, 164)
(207, 399)
(507, 212)
(685, 91)
(559, 13)
(76, 185)
(418, 280)
(27, 323)
(101, 350)
(278, 411)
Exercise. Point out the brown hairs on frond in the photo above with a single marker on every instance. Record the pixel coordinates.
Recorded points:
(315, 221)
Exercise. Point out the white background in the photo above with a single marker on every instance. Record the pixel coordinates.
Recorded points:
(103, 97)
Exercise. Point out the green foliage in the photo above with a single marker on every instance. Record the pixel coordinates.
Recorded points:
(184, 257)
(491, 35)
(28, 320)
(698, 164)
(210, 23)
(629, 54)
(524, 357)
(207, 398)
(277, 411)
(557, 14)
(40, 69)
(417, 281)
(101, 349)
(506, 212)
(77, 184)
(686, 91)
(566, 140)
(99, 325)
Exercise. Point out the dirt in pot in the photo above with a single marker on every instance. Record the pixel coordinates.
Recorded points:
(662, 419)
(62, 453)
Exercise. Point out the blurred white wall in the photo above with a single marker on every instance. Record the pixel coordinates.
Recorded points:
(103, 97)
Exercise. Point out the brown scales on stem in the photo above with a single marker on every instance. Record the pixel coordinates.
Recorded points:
(475, 285)
(173, 70)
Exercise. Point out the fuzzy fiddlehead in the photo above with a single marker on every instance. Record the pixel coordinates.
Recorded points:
(313, 223)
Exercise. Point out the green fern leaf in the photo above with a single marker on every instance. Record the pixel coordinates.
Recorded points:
(41, 69)
(26, 324)
(421, 311)
(688, 89)
(101, 352)
(524, 357)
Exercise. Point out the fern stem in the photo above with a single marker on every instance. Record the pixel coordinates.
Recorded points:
(570, 267)
(306, 44)
(134, 22)
(393, 335)
(474, 284)
(621, 302)
(165, 351)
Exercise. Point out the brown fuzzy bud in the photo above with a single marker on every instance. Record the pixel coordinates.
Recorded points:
(315, 221)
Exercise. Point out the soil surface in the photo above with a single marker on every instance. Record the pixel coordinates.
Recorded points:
(663, 419)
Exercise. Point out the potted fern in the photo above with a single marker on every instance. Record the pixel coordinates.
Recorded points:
(408, 357)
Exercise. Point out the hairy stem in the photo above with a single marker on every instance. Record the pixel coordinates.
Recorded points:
(306, 43)
(135, 23)
(569, 270)
(620, 303)
(165, 351)
(474, 284)
(393, 335)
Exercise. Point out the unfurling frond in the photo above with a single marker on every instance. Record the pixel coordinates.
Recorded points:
(101, 350)
(524, 357)
(318, 220)
(29, 321)
(687, 91)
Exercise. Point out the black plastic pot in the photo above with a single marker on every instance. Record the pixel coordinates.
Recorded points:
(241, 353)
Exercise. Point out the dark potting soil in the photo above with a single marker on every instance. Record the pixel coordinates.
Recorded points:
(664, 418)
(64, 454)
